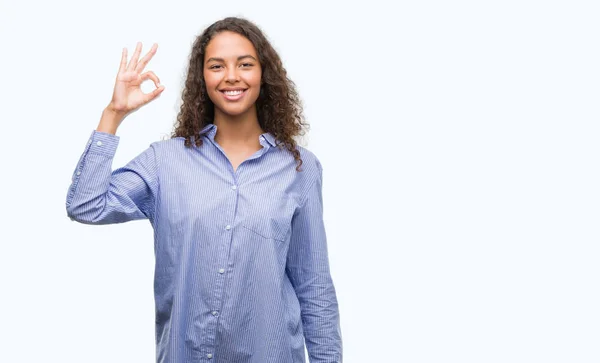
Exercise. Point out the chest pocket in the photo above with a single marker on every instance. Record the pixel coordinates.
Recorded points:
(271, 218)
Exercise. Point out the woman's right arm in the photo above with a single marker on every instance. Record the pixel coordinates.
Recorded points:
(98, 195)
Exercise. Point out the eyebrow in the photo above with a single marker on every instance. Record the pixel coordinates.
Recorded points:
(222, 60)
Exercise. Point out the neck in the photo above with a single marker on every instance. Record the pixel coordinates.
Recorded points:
(238, 130)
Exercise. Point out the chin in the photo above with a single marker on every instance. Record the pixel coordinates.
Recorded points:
(234, 111)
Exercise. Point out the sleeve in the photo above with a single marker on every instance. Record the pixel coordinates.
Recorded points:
(308, 269)
(99, 196)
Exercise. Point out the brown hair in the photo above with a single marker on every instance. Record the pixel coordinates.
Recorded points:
(279, 108)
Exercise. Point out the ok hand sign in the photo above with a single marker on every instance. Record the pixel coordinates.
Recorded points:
(127, 95)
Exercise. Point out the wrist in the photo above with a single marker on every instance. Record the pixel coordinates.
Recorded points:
(110, 120)
(113, 113)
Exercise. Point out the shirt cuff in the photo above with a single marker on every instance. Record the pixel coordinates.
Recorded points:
(103, 143)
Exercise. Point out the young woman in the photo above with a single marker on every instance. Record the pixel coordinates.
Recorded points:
(242, 272)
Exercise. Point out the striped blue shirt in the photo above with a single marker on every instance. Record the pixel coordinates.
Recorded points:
(242, 272)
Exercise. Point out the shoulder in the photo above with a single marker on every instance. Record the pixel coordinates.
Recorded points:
(168, 143)
(312, 173)
(310, 161)
(171, 153)
(170, 147)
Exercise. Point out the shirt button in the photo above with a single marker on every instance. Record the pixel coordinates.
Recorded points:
(99, 143)
(221, 270)
(78, 173)
(90, 141)
(215, 313)
(228, 227)
(234, 187)
(209, 355)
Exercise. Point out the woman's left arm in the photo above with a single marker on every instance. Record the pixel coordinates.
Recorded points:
(308, 270)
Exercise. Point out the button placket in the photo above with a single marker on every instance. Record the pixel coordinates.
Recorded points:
(218, 299)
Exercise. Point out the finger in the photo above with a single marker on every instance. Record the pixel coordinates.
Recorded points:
(136, 55)
(152, 95)
(128, 77)
(123, 60)
(152, 76)
(142, 64)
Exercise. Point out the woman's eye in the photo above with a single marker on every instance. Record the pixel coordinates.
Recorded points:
(218, 66)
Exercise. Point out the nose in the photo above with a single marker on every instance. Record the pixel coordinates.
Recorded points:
(231, 76)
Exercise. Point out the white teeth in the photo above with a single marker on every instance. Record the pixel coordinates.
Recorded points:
(233, 93)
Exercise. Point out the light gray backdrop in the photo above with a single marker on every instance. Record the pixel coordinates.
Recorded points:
(459, 142)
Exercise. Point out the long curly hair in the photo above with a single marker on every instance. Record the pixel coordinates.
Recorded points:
(279, 108)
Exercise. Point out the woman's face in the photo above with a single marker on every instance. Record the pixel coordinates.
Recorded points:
(232, 73)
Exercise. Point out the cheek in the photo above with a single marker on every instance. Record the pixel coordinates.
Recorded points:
(211, 86)
(211, 79)
(257, 78)
(252, 78)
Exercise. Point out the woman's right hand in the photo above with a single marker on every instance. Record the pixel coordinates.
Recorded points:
(128, 95)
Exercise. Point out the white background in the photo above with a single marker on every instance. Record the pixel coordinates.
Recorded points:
(459, 142)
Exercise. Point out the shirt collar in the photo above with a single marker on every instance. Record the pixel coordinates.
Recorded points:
(211, 130)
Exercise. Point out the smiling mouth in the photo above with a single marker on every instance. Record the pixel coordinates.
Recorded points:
(234, 95)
